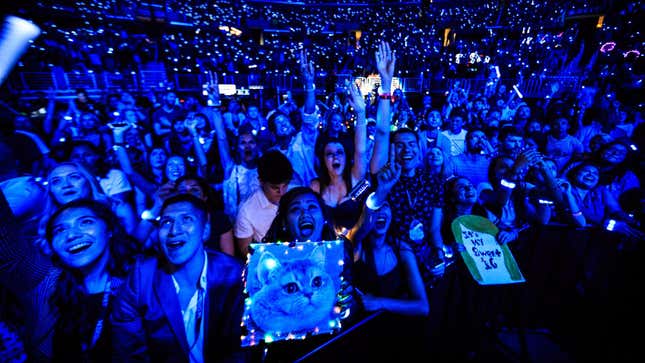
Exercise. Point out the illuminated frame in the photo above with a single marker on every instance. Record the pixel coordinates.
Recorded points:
(256, 332)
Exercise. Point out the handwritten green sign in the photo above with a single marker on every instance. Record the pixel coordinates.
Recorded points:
(489, 262)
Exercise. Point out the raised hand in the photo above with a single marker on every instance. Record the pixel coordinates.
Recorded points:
(212, 87)
(165, 191)
(504, 237)
(526, 158)
(356, 99)
(118, 130)
(191, 124)
(388, 175)
(306, 68)
(385, 62)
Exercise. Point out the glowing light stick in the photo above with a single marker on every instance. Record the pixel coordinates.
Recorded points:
(15, 36)
(519, 94)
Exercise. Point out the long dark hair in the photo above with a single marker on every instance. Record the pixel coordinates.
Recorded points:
(69, 294)
(323, 172)
(213, 200)
(279, 231)
(610, 172)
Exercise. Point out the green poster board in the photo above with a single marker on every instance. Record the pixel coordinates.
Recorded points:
(488, 262)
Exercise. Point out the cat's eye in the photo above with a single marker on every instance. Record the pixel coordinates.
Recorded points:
(317, 281)
(291, 288)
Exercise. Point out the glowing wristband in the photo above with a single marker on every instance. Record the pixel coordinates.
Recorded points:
(147, 215)
(508, 184)
(370, 202)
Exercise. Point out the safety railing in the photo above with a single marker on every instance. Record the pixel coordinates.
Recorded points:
(29, 83)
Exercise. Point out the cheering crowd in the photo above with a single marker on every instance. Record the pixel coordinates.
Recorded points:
(126, 220)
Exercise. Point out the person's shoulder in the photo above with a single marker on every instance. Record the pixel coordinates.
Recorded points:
(425, 175)
(253, 201)
(143, 270)
(146, 263)
(224, 267)
(221, 258)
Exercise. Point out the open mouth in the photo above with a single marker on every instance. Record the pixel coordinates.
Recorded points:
(306, 228)
(173, 245)
(335, 165)
(78, 248)
(69, 192)
(380, 222)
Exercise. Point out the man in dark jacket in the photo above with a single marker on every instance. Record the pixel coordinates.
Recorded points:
(187, 304)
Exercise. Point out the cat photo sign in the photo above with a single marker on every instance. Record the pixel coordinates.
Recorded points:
(291, 290)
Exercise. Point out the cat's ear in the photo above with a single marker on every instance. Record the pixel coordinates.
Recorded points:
(268, 262)
(318, 255)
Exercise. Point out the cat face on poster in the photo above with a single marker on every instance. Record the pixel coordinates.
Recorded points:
(293, 296)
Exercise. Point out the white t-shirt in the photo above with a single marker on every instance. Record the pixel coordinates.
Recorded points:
(457, 141)
(255, 217)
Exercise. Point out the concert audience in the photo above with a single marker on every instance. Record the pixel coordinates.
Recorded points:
(385, 168)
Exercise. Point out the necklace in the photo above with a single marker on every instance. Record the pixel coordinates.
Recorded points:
(99, 324)
(412, 202)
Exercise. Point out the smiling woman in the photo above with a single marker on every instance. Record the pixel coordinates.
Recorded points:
(71, 292)
(302, 216)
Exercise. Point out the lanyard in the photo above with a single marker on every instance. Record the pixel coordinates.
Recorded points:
(99, 324)
(199, 312)
(412, 202)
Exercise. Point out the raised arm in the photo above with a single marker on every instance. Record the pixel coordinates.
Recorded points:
(385, 62)
(215, 114)
(191, 124)
(307, 70)
(357, 102)
(48, 123)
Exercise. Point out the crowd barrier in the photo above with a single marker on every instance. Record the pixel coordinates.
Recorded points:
(30, 84)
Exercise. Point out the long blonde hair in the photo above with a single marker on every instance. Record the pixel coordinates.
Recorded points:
(51, 205)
